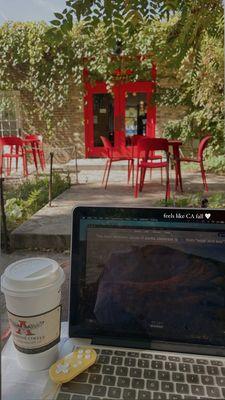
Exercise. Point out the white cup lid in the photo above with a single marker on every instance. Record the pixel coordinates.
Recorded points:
(31, 275)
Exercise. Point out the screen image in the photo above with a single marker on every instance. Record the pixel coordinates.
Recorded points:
(155, 283)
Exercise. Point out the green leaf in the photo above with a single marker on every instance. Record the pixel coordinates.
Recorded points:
(55, 22)
(58, 15)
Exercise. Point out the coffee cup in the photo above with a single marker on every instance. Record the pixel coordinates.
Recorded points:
(32, 289)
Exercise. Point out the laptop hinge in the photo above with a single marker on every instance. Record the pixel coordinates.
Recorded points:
(117, 342)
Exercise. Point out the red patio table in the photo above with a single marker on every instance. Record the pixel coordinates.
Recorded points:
(175, 144)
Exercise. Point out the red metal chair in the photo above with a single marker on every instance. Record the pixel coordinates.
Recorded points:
(152, 155)
(34, 146)
(111, 158)
(12, 147)
(201, 147)
(145, 147)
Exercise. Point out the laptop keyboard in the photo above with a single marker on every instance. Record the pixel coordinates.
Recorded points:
(139, 375)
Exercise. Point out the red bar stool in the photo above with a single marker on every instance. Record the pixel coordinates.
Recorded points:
(34, 146)
(12, 147)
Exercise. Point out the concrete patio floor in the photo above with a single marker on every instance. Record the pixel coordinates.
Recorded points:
(50, 227)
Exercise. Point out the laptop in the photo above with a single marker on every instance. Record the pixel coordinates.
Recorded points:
(147, 291)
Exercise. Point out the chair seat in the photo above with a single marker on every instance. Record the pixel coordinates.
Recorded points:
(147, 164)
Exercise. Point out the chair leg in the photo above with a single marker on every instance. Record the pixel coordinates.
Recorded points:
(128, 171)
(137, 184)
(142, 178)
(161, 175)
(167, 183)
(106, 167)
(107, 176)
(203, 176)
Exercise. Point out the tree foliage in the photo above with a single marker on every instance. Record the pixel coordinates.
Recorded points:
(184, 38)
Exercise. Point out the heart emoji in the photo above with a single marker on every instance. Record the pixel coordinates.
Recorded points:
(207, 215)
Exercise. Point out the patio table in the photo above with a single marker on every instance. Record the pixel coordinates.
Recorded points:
(175, 145)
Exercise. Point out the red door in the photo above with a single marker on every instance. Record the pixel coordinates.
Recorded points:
(118, 115)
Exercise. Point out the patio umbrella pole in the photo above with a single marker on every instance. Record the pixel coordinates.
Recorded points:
(4, 223)
(50, 180)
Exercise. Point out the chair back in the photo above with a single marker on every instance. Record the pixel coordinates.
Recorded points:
(149, 145)
(107, 145)
(135, 139)
(202, 145)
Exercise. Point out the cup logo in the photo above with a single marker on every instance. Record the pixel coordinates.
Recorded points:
(207, 215)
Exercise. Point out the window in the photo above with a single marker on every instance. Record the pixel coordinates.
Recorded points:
(9, 113)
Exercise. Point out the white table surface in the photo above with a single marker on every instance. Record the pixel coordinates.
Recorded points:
(18, 384)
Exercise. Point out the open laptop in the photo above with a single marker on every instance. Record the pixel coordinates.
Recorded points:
(147, 290)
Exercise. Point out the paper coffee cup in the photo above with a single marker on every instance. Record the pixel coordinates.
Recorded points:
(32, 289)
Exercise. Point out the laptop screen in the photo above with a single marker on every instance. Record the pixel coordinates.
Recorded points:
(148, 274)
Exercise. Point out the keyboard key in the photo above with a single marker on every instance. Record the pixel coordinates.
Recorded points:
(106, 351)
(163, 375)
(135, 372)
(129, 394)
(146, 355)
(119, 353)
(202, 361)
(78, 397)
(92, 398)
(109, 380)
(213, 392)
(143, 363)
(199, 369)
(130, 362)
(144, 395)
(152, 385)
(220, 381)
(95, 368)
(76, 387)
(97, 350)
(223, 392)
(188, 360)
(182, 388)
(63, 396)
(175, 397)
(149, 374)
(159, 396)
(192, 378)
(93, 378)
(177, 377)
(170, 366)
(174, 358)
(122, 371)
(99, 391)
(108, 369)
(81, 378)
(157, 364)
(132, 354)
(138, 383)
(184, 367)
(116, 360)
(212, 370)
(198, 390)
(217, 362)
(167, 387)
(103, 359)
(114, 392)
(123, 382)
(160, 357)
(207, 380)
(223, 371)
